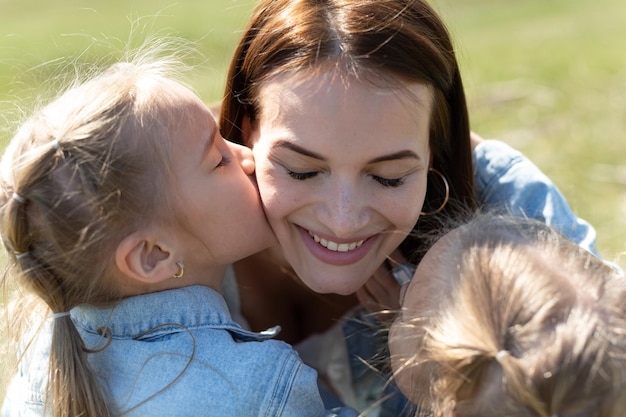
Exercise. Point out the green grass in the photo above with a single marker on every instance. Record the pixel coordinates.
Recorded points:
(548, 77)
(33, 33)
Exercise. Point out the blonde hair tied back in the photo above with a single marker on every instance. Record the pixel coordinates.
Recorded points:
(78, 175)
(533, 325)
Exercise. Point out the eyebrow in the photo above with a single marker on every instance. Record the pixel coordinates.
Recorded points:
(284, 144)
(395, 156)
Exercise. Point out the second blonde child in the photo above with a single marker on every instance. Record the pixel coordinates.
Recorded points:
(506, 317)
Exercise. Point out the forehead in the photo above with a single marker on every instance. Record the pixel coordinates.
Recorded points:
(180, 107)
(173, 93)
(347, 120)
(436, 271)
(329, 91)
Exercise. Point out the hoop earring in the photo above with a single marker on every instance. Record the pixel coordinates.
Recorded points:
(181, 272)
(445, 201)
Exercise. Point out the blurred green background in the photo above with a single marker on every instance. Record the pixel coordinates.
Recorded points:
(546, 76)
(549, 78)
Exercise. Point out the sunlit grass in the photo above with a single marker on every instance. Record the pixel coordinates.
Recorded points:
(34, 36)
(549, 78)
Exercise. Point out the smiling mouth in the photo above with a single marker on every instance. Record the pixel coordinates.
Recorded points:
(334, 246)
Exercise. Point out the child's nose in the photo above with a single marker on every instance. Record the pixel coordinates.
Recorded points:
(245, 157)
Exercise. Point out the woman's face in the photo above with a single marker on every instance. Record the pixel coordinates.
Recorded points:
(341, 167)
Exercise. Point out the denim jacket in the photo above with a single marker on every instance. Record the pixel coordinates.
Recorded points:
(508, 181)
(178, 353)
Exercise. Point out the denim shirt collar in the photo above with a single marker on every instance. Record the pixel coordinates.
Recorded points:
(164, 312)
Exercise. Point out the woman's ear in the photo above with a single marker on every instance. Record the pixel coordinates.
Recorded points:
(246, 131)
(140, 257)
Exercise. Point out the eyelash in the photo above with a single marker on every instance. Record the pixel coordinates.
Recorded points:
(223, 162)
(301, 176)
(385, 182)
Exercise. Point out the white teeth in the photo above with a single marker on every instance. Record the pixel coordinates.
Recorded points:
(344, 247)
(334, 246)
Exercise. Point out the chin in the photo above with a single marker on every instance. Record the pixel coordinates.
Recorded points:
(331, 288)
(340, 291)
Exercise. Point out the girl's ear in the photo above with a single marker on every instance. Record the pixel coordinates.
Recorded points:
(140, 257)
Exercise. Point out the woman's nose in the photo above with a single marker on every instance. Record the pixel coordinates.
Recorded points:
(346, 210)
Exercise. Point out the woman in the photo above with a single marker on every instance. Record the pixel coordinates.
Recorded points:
(356, 115)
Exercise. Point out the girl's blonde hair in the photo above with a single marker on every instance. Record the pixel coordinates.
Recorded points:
(79, 175)
(532, 325)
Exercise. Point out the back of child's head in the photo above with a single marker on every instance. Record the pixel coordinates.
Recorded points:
(80, 174)
(525, 323)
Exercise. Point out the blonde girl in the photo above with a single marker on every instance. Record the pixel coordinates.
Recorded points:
(506, 317)
(120, 208)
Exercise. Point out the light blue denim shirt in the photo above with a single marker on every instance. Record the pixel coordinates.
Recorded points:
(508, 181)
(179, 353)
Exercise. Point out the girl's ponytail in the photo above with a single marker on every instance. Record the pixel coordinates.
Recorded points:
(74, 388)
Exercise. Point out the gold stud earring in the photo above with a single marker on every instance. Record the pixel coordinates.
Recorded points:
(181, 272)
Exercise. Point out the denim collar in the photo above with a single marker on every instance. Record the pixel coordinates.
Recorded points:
(165, 312)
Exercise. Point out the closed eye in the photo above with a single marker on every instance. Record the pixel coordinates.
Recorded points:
(301, 176)
(389, 182)
(223, 162)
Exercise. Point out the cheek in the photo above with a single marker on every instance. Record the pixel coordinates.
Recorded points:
(395, 345)
(275, 193)
(265, 176)
(404, 209)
